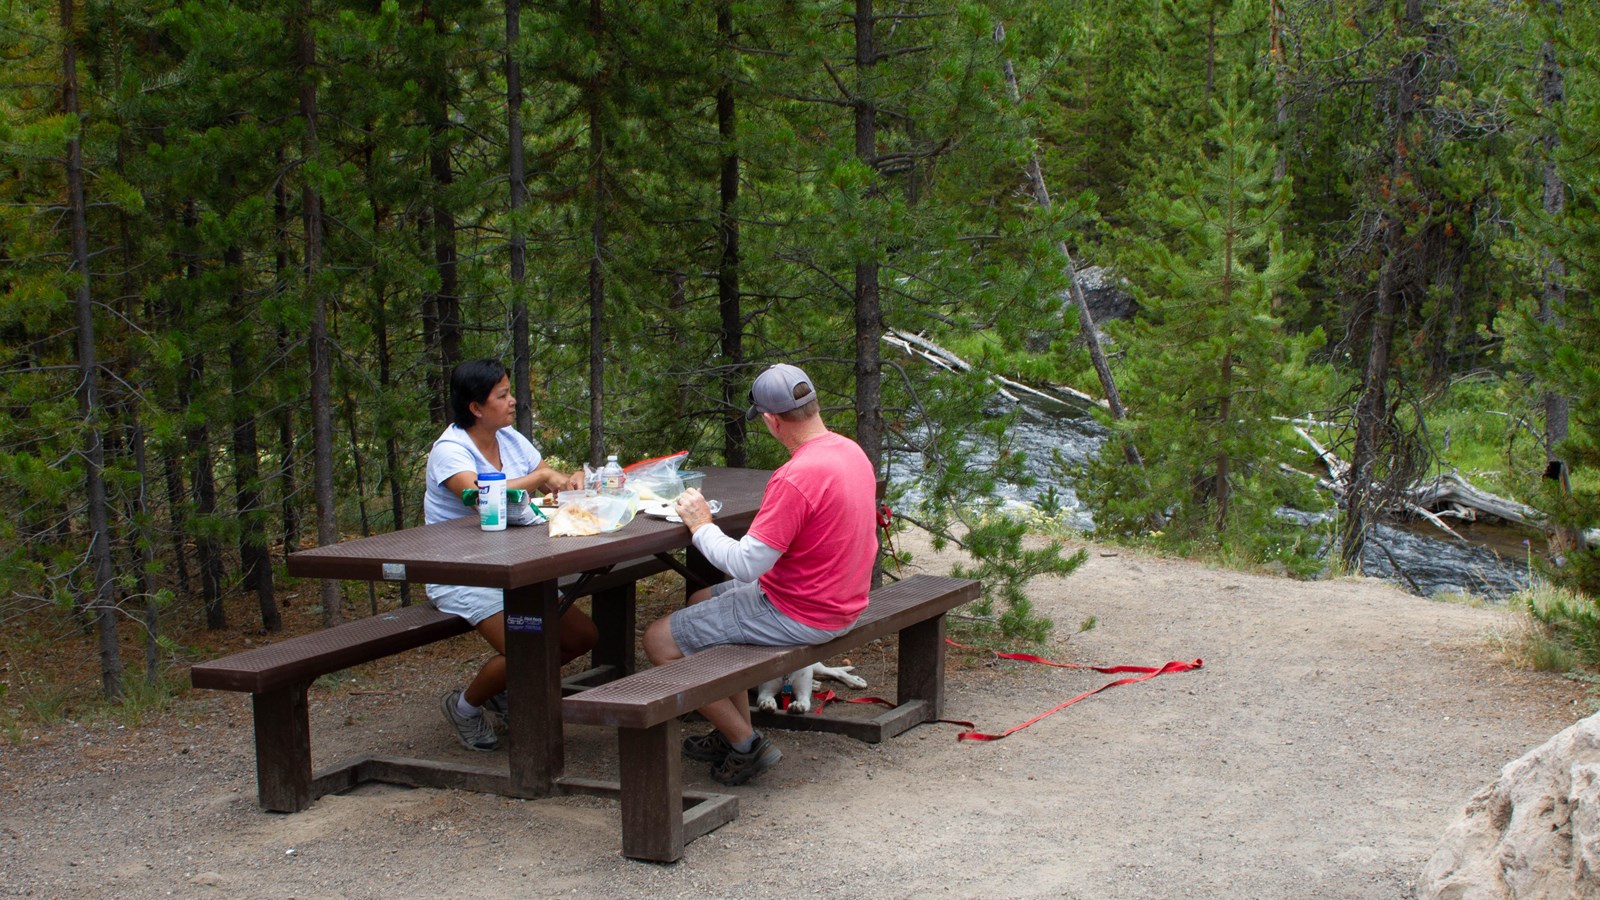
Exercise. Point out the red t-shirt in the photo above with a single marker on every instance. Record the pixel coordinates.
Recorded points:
(819, 512)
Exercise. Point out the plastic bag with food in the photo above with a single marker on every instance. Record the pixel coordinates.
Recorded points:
(657, 479)
(590, 512)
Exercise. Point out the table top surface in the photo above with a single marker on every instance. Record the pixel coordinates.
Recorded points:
(459, 552)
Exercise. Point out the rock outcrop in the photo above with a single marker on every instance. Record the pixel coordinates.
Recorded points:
(1533, 833)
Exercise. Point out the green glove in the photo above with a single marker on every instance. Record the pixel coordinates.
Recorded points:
(470, 497)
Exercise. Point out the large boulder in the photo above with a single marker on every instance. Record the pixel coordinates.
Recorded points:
(1533, 833)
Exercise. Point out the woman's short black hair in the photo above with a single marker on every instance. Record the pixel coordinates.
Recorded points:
(471, 383)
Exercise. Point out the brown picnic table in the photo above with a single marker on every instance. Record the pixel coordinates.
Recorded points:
(530, 566)
(540, 575)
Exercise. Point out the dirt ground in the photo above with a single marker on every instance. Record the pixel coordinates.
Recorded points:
(1334, 732)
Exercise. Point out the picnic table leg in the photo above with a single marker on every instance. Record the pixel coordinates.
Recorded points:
(614, 618)
(652, 792)
(533, 687)
(283, 748)
(921, 674)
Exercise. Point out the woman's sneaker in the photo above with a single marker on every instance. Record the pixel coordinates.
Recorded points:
(475, 732)
(711, 747)
(737, 768)
(497, 705)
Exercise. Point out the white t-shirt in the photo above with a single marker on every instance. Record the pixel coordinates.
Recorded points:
(454, 452)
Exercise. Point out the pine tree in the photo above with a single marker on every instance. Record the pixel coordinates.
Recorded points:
(1559, 348)
(1211, 364)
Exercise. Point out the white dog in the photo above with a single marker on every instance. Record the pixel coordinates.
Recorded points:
(801, 682)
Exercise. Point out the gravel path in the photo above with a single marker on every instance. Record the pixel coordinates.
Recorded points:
(1334, 732)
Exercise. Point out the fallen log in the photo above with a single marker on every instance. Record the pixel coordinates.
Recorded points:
(1435, 498)
(917, 345)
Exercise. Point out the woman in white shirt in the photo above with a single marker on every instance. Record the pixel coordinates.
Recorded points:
(483, 438)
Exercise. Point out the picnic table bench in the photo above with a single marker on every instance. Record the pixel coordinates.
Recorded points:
(658, 817)
(278, 676)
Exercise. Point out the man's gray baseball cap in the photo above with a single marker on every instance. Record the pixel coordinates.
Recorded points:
(774, 391)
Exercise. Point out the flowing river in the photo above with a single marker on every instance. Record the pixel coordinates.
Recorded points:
(1493, 563)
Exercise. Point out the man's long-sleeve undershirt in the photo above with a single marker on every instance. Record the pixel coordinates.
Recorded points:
(745, 559)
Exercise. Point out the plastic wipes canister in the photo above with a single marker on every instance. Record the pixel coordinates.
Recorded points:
(492, 501)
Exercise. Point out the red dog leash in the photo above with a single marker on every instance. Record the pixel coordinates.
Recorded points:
(1144, 673)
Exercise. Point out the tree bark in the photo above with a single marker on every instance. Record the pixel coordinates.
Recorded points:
(729, 301)
(521, 364)
(177, 519)
(1553, 294)
(391, 442)
(1280, 80)
(597, 249)
(197, 439)
(321, 369)
(869, 309)
(1372, 408)
(288, 453)
(448, 298)
(254, 559)
(102, 604)
(147, 557)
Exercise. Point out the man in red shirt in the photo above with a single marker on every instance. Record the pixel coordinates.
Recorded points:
(799, 576)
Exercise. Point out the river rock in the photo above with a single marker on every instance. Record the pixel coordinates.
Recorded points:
(1535, 832)
(1108, 298)
(1107, 294)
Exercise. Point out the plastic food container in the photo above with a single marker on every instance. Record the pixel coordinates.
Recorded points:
(692, 479)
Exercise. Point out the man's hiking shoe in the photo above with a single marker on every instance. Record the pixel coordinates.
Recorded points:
(497, 705)
(475, 732)
(711, 747)
(737, 768)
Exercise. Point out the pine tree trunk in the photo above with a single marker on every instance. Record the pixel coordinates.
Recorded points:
(360, 486)
(147, 557)
(254, 559)
(197, 439)
(597, 249)
(102, 605)
(1280, 80)
(391, 443)
(1372, 407)
(321, 369)
(1553, 295)
(448, 299)
(177, 520)
(1222, 488)
(288, 465)
(288, 455)
(521, 364)
(869, 309)
(729, 301)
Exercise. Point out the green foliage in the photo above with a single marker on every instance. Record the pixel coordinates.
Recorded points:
(1215, 364)
(196, 174)
(1567, 628)
(1558, 348)
(1005, 566)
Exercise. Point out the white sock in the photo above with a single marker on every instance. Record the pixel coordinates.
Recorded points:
(465, 708)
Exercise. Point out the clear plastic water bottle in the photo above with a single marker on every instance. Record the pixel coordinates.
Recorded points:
(612, 478)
